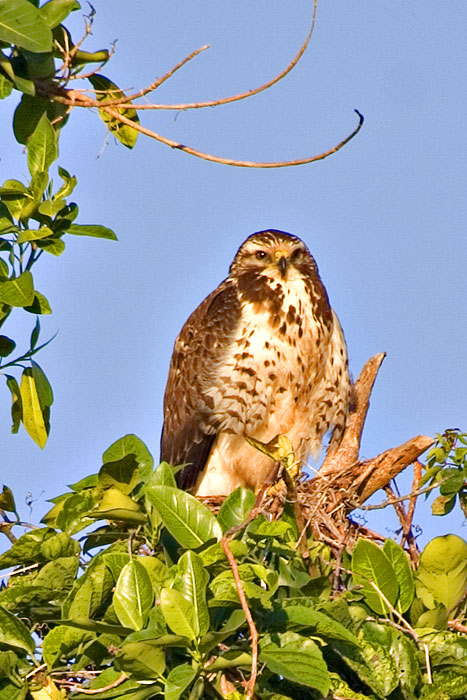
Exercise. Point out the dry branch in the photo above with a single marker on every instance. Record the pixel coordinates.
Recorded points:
(114, 106)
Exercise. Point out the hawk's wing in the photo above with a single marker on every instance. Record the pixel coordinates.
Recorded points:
(188, 433)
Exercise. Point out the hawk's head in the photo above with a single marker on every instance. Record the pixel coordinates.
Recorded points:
(274, 254)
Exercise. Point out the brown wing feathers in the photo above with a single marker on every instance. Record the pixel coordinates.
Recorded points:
(188, 435)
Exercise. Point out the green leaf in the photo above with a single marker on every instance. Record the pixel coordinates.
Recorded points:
(187, 519)
(42, 147)
(404, 575)
(18, 291)
(27, 235)
(7, 345)
(369, 563)
(133, 596)
(21, 24)
(115, 505)
(236, 508)
(69, 184)
(143, 660)
(40, 305)
(35, 334)
(178, 680)
(442, 572)
(301, 617)
(62, 641)
(130, 445)
(122, 474)
(91, 230)
(163, 476)
(14, 196)
(178, 613)
(7, 500)
(191, 581)
(33, 415)
(124, 133)
(6, 86)
(44, 390)
(27, 115)
(299, 660)
(90, 591)
(55, 11)
(14, 633)
(54, 246)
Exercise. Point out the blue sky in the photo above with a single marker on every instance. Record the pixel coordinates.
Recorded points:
(384, 218)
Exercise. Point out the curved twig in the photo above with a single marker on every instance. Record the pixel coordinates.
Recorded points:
(230, 161)
(241, 95)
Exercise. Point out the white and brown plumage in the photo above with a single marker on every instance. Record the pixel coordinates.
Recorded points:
(263, 354)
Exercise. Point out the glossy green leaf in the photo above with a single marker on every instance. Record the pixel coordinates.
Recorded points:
(187, 519)
(33, 414)
(26, 550)
(299, 660)
(27, 235)
(89, 592)
(91, 230)
(18, 291)
(42, 147)
(369, 563)
(178, 680)
(55, 11)
(7, 500)
(14, 196)
(144, 660)
(191, 581)
(236, 508)
(133, 596)
(301, 617)
(21, 24)
(404, 575)
(442, 572)
(129, 445)
(44, 390)
(69, 184)
(26, 117)
(115, 505)
(163, 476)
(7, 345)
(107, 90)
(54, 246)
(6, 86)
(123, 474)
(62, 641)
(178, 613)
(14, 633)
(40, 305)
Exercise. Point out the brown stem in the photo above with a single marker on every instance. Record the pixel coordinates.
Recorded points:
(249, 618)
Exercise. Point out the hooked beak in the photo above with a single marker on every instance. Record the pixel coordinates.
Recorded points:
(282, 264)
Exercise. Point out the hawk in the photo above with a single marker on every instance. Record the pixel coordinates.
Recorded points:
(263, 354)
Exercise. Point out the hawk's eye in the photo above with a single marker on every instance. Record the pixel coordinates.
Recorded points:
(261, 255)
(296, 254)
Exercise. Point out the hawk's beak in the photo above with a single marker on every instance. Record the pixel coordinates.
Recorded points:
(282, 264)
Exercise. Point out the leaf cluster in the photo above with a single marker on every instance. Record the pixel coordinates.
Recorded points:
(447, 466)
(35, 216)
(145, 604)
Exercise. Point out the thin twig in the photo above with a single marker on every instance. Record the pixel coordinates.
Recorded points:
(230, 161)
(242, 95)
(249, 619)
(399, 499)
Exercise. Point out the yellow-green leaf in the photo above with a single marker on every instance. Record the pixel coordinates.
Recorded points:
(33, 417)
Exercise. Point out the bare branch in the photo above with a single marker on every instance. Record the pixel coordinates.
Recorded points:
(230, 161)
